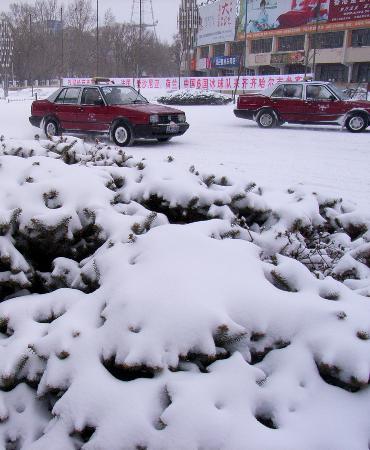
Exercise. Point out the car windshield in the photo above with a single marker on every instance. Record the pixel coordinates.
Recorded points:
(121, 95)
(338, 92)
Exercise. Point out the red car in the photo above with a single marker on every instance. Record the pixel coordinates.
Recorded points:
(312, 102)
(105, 108)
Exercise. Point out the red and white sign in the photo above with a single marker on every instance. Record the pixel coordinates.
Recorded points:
(343, 10)
(217, 22)
(207, 83)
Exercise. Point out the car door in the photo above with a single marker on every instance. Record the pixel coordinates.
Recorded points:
(321, 104)
(287, 101)
(91, 112)
(65, 108)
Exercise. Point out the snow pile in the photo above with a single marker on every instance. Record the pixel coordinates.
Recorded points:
(194, 97)
(328, 235)
(21, 95)
(145, 306)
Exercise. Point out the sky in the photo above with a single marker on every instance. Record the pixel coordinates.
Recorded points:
(165, 12)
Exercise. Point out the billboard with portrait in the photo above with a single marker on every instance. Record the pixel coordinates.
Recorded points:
(217, 22)
(262, 16)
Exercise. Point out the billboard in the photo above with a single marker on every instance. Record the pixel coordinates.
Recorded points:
(267, 16)
(217, 22)
(343, 10)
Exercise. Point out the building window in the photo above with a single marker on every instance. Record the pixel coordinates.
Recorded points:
(361, 38)
(268, 70)
(327, 40)
(332, 72)
(204, 52)
(261, 45)
(219, 50)
(363, 73)
(237, 48)
(291, 43)
(295, 68)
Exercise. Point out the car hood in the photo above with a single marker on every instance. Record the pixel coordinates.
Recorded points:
(150, 108)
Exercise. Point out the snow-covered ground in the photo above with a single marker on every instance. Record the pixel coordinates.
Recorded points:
(171, 303)
(324, 158)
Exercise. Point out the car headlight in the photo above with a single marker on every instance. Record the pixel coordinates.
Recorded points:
(182, 118)
(154, 118)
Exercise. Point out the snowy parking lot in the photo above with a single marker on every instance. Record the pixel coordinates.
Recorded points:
(325, 158)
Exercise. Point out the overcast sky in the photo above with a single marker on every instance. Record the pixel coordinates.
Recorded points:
(165, 12)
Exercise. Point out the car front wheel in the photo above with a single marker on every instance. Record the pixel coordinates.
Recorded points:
(122, 135)
(356, 123)
(51, 128)
(164, 139)
(266, 119)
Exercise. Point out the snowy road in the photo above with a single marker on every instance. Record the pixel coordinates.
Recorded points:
(324, 158)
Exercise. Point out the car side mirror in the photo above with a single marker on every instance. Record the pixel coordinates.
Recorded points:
(99, 102)
(332, 98)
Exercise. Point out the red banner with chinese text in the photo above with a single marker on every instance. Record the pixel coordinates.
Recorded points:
(343, 10)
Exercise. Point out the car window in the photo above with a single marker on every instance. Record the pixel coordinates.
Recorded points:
(71, 96)
(122, 95)
(288, 91)
(90, 96)
(60, 98)
(316, 92)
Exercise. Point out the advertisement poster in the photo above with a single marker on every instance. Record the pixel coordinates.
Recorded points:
(270, 14)
(343, 10)
(264, 16)
(217, 22)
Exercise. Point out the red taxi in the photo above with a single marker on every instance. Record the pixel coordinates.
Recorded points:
(311, 102)
(120, 111)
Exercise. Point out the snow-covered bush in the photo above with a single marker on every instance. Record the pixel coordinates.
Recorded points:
(194, 97)
(145, 306)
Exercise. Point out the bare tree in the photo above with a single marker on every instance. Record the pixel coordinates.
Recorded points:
(38, 43)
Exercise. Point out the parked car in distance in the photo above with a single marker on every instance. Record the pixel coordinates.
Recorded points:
(120, 111)
(309, 102)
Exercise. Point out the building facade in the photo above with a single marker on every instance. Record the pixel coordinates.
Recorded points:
(187, 24)
(330, 38)
(340, 53)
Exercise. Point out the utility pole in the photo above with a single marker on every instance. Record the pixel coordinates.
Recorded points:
(142, 10)
(243, 54)
(29, 55)
(140, 40)
(314, 39)
(97, 38)
(62, 38)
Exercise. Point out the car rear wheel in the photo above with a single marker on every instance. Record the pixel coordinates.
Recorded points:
(122, 135)
(356, 123)
(266, 119)
(51, 128)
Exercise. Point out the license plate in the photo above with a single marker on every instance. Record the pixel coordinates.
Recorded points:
(173, 128)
